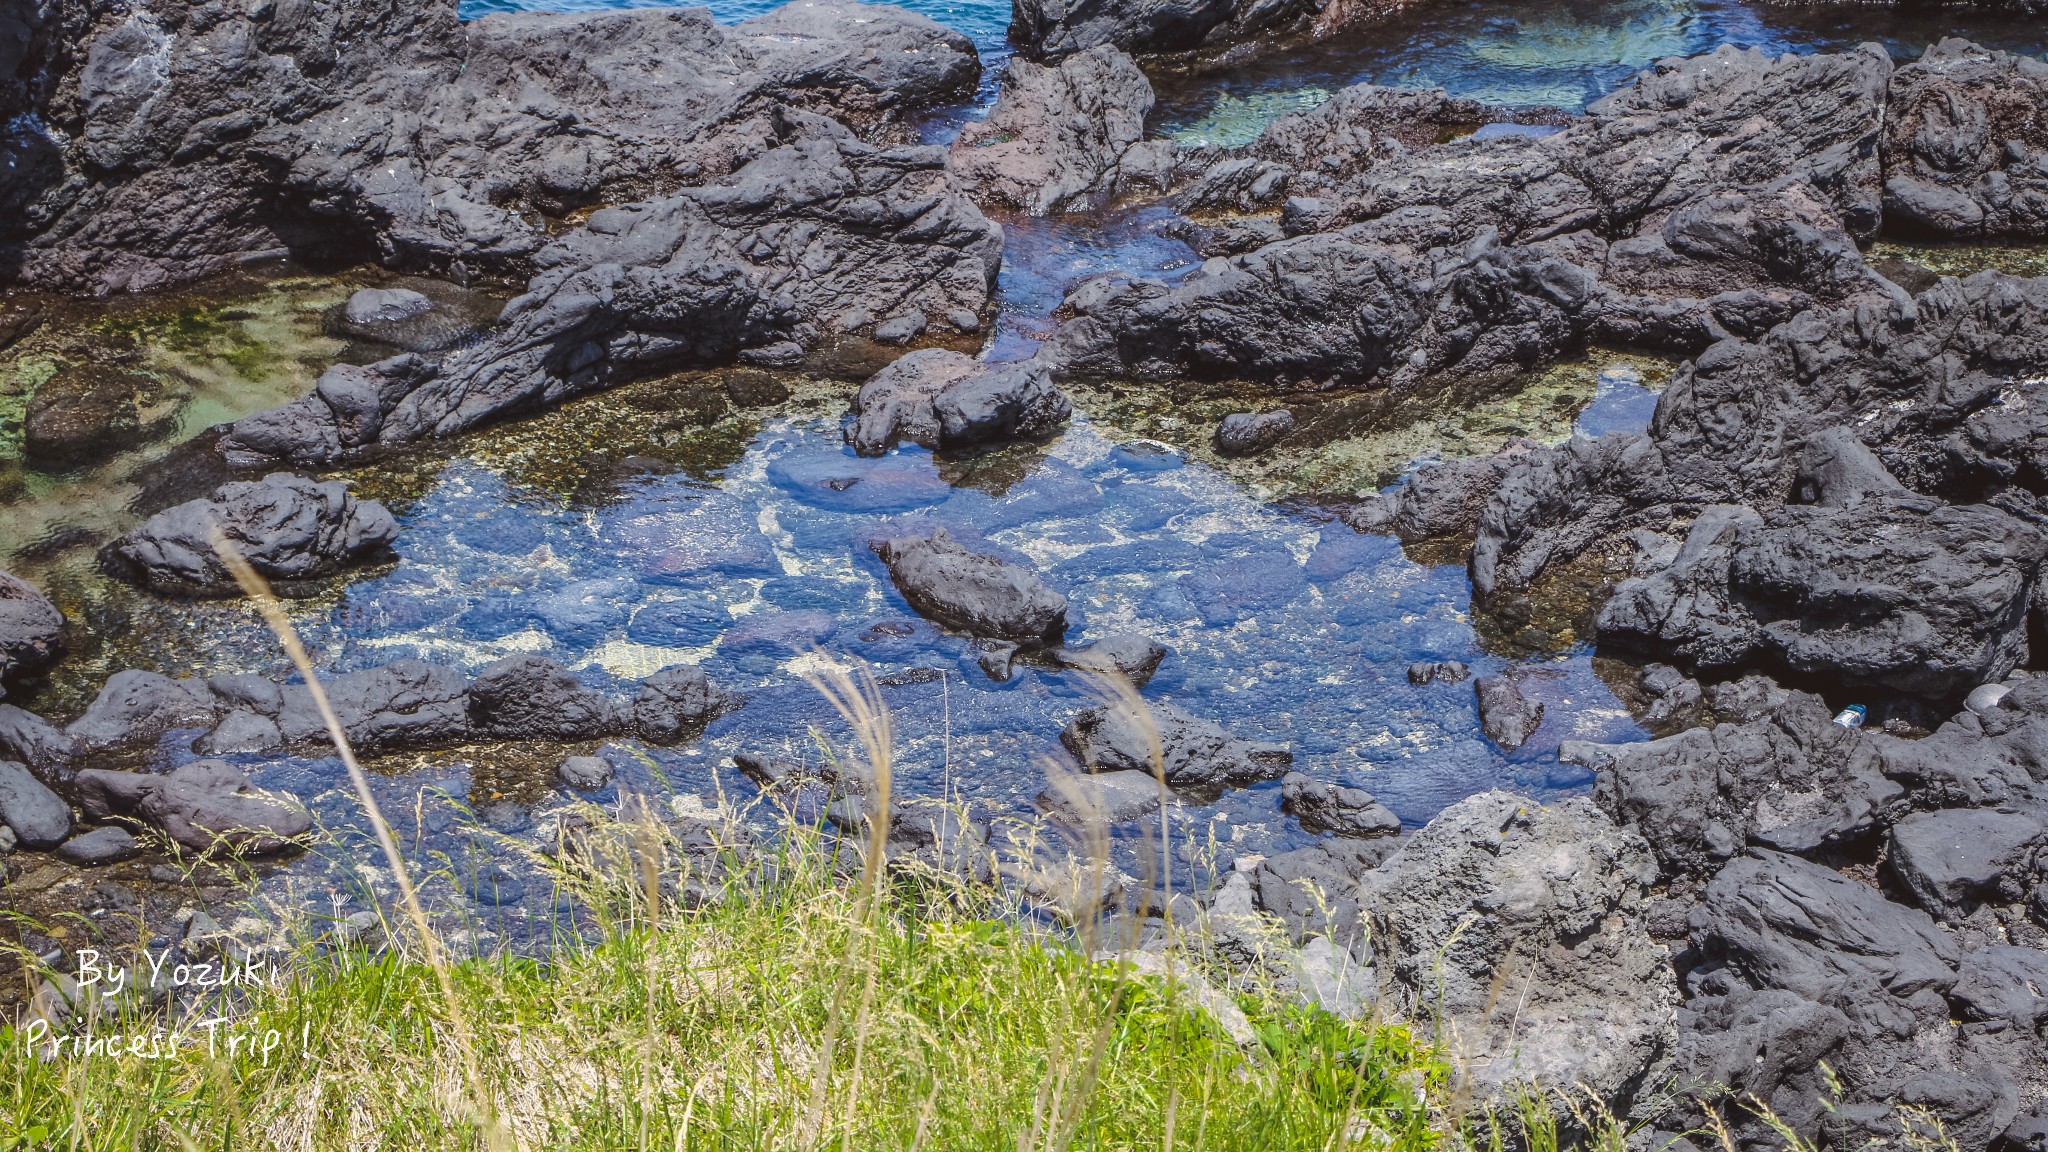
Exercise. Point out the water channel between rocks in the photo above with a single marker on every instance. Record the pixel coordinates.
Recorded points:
(718, 518)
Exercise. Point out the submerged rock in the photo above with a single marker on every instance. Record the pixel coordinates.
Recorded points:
(531, 697)
(1521, 928)
(203, 806)
(1507, 717)
(287, 527)
(135, 707)
(972, 592)
(1335, 808)
(1192, 752)
(1056, 137)
(31, 629)
(1127, 654)
(403, 704)
(1249, 433)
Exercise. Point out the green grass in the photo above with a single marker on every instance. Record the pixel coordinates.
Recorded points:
(792, 1013)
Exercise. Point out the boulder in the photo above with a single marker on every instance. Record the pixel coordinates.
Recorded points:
(530, 697)
(31, 629)
(1057, 136)
(85, 414)
(674, 702)
(47, 749)
(1249, 433)
(937, 398)
(585, 773)
(1336, 808)
(287, 527)
(1507, 717)
(1964, 145)
(1521, 930)
(1790, 779)
(1131, 655)
(1106, 797)
(135, 707)
(403, 704)
(972, 592)
(100, 846)
(39, 817)
(203, 806)
(1192, 752)
(1958, 858)
(1314, 893)
(1785, 923)
(1899, 591)
(1439, 500)
(2003, 983)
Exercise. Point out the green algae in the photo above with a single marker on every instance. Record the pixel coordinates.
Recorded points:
(1357, 443)
(1965, 259)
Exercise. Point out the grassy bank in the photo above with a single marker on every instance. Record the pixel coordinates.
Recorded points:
(800, 1010)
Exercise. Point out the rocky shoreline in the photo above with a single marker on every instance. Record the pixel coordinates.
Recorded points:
(1839, 499)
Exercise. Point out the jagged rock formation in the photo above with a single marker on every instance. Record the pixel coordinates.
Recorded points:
(155, 146)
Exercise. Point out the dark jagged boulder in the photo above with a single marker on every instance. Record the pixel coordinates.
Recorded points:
(1899, 590)
(1770, 1044)
(1057, 136)
(530, 697)
(1956, 859)
(816, 237)
(1133, 656)
(1442, 499)
(287, 527)
(415, 139)
(135, 707)
(31, 629)
(938, 398)
(1965, 142)
(1786, 923)
(1192, 752)
(1508, 718)
(973, 592)
(403, 704)
(39, 817)
(1522, 927)
(1314, 891)
(1336, 808)
(674, 702)
(203, 806)
(1426, 672)
(1250, 433)
(1792, 780)
(1734, 426)
(1051, 29)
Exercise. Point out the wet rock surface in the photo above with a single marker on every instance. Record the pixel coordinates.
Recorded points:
(1191, 752)
(938, 398)
(31, 628)
(973, 592)
(287, 528)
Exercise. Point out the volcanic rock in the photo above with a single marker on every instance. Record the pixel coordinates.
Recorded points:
(287, 527)
(972, 592)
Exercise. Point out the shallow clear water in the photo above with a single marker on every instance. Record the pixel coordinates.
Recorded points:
(660, 525)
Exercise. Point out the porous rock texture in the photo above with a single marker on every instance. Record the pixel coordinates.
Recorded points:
(152, 145)
(1057, 136)
(1521, 927)
(287, 527)
(817, 236)
(1920, 990)
(1163, 738)
(1721, 194)
(938, 398)
(1966, 144)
